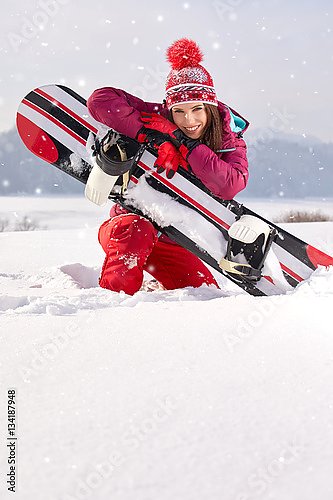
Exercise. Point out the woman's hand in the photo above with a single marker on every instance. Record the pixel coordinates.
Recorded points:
(183, 143)
(158, 122)
(169, 159)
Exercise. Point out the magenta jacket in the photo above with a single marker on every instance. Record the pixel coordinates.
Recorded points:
(224, 173)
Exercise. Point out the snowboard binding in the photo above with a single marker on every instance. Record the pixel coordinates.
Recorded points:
(113, 157)
(250, 239)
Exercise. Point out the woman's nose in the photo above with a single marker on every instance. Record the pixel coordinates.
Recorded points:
(188, 117)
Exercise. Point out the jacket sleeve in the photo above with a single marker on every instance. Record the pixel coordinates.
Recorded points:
(119, 110)
(225, 176)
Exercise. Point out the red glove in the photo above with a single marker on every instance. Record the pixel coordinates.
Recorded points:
(169, 158)
(157, 122)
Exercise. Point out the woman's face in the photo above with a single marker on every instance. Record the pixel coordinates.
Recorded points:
(191, 118)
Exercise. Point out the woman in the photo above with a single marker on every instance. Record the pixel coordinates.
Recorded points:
(192, 129)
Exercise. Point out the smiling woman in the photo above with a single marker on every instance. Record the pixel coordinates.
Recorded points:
(192, 130)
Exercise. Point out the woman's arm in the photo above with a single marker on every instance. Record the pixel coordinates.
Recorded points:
(224, 177)
(119, 110)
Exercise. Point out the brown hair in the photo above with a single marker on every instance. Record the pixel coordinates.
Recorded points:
(212, 134)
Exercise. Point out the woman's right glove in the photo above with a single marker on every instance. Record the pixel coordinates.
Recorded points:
(169, 158)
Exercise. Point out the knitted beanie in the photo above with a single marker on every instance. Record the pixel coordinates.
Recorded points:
(188, 81)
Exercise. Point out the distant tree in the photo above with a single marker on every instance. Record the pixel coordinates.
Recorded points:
(27, 224)
(303, 216)
(4, 225)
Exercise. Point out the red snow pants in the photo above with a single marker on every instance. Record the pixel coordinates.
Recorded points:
(132, 246)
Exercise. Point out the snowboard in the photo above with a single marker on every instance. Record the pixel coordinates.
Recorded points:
(55, 125)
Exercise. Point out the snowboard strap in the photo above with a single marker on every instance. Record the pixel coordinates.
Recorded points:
(250, 239)
(116, 154)
(113, 157)
(241, 269)
(126, 175)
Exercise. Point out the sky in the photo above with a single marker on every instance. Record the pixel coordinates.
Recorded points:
(270, 60)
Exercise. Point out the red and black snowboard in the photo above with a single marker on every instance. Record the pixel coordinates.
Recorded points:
(55, 125)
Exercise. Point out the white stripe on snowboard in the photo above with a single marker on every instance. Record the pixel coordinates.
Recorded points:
(73, 104)
(292, 263)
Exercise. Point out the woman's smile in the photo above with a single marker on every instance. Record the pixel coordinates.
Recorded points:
(192, 129)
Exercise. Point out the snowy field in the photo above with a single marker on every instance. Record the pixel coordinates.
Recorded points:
(194, 394)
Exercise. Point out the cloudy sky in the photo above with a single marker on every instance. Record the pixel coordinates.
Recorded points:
(271, 60)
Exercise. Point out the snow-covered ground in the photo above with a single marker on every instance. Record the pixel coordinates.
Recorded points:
(183, 395)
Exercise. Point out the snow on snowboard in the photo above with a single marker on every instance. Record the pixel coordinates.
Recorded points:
(55, 125)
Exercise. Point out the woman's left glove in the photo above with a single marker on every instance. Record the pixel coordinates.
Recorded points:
(168, 158)
(157, 122)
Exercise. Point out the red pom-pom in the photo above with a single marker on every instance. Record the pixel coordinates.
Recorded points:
(184, 53)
